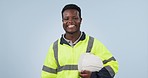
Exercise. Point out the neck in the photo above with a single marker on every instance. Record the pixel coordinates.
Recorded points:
(73, 37)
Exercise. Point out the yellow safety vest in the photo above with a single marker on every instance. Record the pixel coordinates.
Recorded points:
(62, 59)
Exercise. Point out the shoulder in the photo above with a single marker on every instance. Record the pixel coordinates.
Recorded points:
(95, 40)
(54, 43)
(92, 37)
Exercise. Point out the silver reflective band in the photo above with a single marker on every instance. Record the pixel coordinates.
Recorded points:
(49, 70)
(90, 44)
(110, 59)
(110, 70)
(55, 48)
(68, 67)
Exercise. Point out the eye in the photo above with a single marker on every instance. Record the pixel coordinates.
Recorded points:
(65, 18)
(75, 18)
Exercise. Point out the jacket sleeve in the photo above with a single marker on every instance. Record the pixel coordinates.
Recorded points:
(109, 62)
(50, 66)
(103, 73)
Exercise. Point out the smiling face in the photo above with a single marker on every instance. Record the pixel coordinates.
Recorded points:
(71, 21)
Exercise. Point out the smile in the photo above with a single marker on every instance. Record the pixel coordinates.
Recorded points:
(71, 26)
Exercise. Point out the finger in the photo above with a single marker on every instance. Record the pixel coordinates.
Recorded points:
(85, 72)
(84, 75)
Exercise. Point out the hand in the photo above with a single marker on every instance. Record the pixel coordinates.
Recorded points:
(85, 74)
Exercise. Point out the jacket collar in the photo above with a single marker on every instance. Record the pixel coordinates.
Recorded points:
(63, 41)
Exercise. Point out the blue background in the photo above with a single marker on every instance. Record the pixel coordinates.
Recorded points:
(28, 27)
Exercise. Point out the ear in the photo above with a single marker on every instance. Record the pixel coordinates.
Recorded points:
(62, 20)
(80, 19)
(62, 17)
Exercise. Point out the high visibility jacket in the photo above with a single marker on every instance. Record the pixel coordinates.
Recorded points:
(62, 59)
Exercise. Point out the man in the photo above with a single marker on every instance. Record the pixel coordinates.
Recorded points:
(63, 55)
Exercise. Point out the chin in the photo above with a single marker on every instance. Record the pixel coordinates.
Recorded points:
(71, 32)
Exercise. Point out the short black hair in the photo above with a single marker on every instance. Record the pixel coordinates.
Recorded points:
(71, 6)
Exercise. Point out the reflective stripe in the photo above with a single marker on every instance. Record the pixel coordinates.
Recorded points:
(68, 67)
(55, 48)
(49, 70)
(110, 70)
(110, 59)
(90, 44)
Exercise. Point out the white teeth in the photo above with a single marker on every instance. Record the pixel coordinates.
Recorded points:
(70, 26)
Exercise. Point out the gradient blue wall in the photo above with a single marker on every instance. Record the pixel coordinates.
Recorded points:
(28, 27)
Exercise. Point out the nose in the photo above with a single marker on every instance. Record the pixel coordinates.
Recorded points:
(70, 21)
